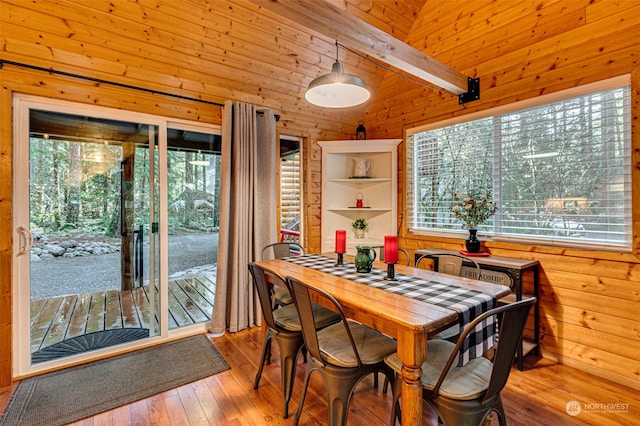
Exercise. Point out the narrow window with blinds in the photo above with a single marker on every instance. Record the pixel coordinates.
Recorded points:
(560, 172)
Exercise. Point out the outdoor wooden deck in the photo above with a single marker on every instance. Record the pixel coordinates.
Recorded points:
(65, 317)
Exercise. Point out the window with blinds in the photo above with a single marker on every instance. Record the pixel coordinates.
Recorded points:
(559, 172)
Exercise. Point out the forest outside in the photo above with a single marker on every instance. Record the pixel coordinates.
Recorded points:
(89, 199)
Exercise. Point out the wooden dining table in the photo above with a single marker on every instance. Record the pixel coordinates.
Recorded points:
(409, 321)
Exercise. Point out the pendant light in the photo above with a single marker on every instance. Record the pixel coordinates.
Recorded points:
(337, 89)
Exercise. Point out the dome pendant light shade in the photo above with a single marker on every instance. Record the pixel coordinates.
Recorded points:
(337, 89)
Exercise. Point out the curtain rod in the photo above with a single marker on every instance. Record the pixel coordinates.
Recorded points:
(99, 80)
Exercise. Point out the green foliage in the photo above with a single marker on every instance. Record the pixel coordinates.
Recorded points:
(72, 192)
(360, 224)
(474, 207)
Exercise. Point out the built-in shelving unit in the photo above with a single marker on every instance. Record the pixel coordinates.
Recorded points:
(340, 186)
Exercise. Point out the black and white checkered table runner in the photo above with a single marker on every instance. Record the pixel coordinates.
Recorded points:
(467, 303)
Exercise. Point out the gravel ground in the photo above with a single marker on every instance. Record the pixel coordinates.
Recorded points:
(60, 276)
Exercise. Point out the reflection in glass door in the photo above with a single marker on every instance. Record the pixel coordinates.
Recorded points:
(86, 197)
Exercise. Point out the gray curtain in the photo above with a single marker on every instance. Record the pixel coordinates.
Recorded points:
(247, 212)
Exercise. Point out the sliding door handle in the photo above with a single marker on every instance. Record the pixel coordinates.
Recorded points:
(26, 240)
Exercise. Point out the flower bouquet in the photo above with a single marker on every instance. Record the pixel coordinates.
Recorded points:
(473, 208)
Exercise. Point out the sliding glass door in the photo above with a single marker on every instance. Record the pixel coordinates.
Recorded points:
(108, 223)
(193, 188)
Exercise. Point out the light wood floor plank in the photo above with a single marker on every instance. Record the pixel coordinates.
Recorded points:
(212, 409)
(140, 415)
(158, 414)
(175, 409)
(192, 406)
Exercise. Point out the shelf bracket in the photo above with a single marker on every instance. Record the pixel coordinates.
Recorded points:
(473, 92)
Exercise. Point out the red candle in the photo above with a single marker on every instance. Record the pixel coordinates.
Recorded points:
(341, 241)
(390, 249)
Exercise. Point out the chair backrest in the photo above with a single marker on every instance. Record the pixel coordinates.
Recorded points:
(280, 250)
(451, 263)
(301, 294)
(380, 252)
(261, 280)
(512, 322)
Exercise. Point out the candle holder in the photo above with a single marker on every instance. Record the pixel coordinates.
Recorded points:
(391, 272)
(340, 259)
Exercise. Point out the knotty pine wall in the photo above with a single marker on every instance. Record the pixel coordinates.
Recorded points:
(589, 299)
(228, 49)
(210, 50)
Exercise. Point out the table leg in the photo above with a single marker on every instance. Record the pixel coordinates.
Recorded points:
(412, 351)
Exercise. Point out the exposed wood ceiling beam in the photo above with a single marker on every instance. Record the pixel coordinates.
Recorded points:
(335, 23)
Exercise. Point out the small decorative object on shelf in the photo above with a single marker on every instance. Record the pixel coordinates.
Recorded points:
(361, 132)
(390, 256)
(360, 226)
(363, 260)
(361, 167)
(359, 202)
(341, 245)
(473, 209)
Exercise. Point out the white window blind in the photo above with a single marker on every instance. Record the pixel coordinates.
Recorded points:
(559, 172)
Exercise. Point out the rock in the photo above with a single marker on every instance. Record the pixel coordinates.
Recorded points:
(35, 258)
(46, 256)
(72, 247)
(54, 249)
(67, 244)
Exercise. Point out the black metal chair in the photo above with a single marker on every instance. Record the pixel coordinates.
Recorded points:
(283, 325)
(343, 353)
(451, 263)
(466, 395)
(281, 296)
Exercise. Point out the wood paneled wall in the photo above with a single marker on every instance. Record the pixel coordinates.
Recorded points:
(229, 49)
(210, 50)
(590, 299)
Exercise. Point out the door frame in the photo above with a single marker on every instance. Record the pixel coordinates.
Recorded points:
(21, 333)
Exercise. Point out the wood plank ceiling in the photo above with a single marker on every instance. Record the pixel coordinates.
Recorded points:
(210, 49)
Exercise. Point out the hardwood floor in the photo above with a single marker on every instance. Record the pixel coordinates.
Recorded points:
(536, 396)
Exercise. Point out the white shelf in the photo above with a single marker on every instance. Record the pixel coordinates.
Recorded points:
(359, 180)
(379, 190)
(357, 209)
